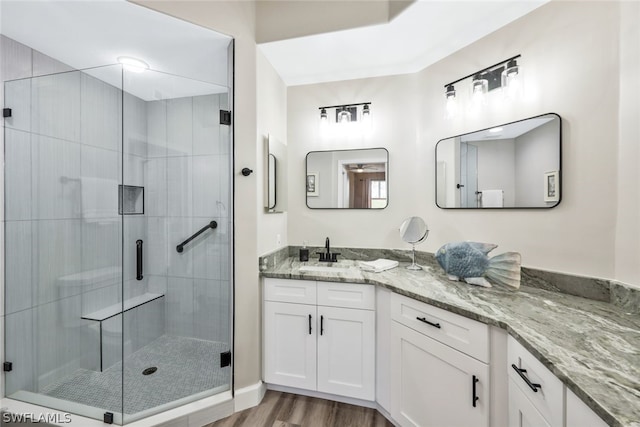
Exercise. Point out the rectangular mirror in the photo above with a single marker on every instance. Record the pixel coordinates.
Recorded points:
(347, 179)
(275, 182)
(515, 165)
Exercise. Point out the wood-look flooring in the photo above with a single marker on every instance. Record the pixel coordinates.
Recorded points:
(279, 409)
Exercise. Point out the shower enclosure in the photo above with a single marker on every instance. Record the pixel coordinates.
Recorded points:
(107, 171)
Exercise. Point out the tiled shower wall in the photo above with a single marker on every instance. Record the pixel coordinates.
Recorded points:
(188, 173)
(65, 243)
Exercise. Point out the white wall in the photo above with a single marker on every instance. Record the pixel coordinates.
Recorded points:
(555, 40)
(395, 114)
(568, 50)
(627, 250)
(271, 120)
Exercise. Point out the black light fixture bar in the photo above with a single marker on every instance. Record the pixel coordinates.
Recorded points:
(482, 71)
(345, 105)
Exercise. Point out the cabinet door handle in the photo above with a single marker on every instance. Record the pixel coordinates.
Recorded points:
(321, 324)
(526, 379)
(474, 397)
(423, 320)
(309, 324)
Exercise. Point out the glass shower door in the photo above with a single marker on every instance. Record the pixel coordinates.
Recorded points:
(63, 240)
(176, 160)
(106, 173)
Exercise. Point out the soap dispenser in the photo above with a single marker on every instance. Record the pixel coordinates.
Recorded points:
(304, 252)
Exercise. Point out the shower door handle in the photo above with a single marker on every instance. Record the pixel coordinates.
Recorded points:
(139, 260)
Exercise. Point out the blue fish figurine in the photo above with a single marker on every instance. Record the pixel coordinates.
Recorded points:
(468, 261)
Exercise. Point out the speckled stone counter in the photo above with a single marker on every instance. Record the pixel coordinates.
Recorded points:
(591, 346)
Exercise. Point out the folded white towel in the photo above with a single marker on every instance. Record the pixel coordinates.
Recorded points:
(492, 198)
(378, 265)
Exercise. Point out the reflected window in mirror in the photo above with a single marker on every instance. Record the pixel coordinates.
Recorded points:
(347, 179)
(514, 165)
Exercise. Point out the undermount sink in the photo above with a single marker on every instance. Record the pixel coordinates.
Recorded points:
(323, 269)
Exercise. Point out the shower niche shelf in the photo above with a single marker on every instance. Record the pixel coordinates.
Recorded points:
(130, 200)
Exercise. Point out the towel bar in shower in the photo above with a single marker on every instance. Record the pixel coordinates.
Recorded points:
(211, 225)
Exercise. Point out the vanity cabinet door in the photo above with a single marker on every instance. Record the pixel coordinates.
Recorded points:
(522, 413)
(290, 344)
(433, 384)
(346, 352)
(579, 414)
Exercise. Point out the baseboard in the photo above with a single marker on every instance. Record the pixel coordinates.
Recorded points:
(250, 396)
(327, 396)
(386, 414)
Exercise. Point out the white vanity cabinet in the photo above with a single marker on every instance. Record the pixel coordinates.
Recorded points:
(537, 396)
(320, 336)
(440, 367)
(579, 414)
(531, 380)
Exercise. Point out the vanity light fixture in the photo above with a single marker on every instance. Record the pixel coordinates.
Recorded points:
(505, 74)
(346, 113)
(133, 64)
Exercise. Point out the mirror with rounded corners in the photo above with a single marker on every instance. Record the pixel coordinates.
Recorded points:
(414, 230)
(271, 182)
(515, 165)
(275, 181)
(347, 179)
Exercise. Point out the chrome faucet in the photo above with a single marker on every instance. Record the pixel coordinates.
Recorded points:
(327, 256)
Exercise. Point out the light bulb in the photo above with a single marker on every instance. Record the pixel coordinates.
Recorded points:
(451, 102)
(344, 116)
(512, 80)
(479, 87)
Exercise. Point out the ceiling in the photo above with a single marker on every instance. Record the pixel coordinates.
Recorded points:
(508, 131)
(93, 33)
(424, 33)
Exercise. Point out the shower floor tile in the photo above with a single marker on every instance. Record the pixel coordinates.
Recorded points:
(186, 366)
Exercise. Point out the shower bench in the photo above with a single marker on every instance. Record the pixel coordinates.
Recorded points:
(116, 309)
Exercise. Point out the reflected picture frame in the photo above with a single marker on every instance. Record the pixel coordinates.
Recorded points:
(312, 184)
(552, 186)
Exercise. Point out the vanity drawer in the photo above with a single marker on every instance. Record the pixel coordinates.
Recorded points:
(549, 399)
(289, 290)
(347, 295)
(461, 333)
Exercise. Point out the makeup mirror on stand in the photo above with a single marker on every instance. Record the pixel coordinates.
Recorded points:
(414, 230)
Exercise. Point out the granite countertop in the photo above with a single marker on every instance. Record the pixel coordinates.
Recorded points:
(593, 347)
